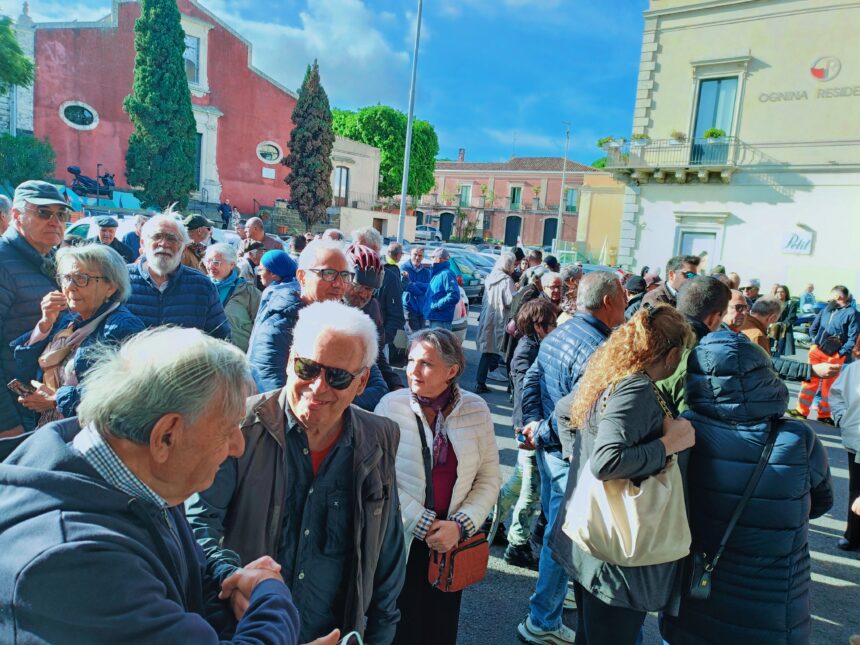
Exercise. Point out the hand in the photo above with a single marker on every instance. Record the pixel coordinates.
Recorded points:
(826, 370)
(529, 433)
(331, 639)
(42, 400)
(855, 507)
(240, 584)
(442, 536)
(53, 304)
(678, 435)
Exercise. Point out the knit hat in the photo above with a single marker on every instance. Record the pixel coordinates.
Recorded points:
(279, 263)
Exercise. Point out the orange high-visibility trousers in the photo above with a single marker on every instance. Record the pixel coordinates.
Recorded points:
(811, 387)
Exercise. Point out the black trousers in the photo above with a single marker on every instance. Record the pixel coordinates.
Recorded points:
(427, 616)
(488, 361)
(852, 530)
(601, 624)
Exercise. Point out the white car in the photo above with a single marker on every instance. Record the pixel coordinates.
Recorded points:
(87, 227)
(427, 233)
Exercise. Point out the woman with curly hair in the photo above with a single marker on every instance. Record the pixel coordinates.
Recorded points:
(628, 433)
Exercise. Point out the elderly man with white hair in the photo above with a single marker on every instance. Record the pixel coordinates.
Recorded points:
(316, 488)
(164, 291)
(95, 546)
(254, 231)
(323, 274)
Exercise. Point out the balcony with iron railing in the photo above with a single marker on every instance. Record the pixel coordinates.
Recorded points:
(433, 202)
(644, 160)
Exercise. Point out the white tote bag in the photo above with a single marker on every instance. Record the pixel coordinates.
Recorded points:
(631, 526)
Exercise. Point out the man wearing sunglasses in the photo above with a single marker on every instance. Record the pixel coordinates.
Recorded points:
(679, 269)
(39, 215)
(315, 489)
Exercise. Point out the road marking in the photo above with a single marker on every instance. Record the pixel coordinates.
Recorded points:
(833, 582)
(841, 560)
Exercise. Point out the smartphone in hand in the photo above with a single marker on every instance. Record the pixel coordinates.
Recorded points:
(20, 388)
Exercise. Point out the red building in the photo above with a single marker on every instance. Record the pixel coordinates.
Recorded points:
(85, 70)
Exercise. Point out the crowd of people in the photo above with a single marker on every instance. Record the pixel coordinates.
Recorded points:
(220, 442)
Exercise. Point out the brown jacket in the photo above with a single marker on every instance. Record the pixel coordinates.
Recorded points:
(755, 330)
(659, 295)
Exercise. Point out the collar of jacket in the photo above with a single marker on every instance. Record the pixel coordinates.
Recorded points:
(17, 241)
(172, 280)
(441, 266)
(598, 324)
(456, 399)
(699, 328)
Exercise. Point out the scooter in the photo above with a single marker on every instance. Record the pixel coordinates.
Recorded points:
(84, 185)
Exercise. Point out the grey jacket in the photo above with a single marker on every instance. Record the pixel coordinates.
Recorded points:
(243, 520)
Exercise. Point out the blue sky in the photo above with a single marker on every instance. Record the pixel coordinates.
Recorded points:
(495, 76)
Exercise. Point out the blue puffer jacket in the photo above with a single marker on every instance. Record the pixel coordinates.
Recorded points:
(22, 287)
(190, 300)
(559, 366)
(760, 590)
(269, 348)
(117, 326)
(415, 287)
(443, 293)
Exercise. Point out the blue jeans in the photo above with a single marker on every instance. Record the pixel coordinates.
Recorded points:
(521, 492)
(438, 324)
(547, 602)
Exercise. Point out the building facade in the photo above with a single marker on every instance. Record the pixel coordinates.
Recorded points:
(746, 144)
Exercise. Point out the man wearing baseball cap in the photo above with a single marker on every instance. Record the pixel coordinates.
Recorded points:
(107, 236)
(443, 292)
(39, 215)
(200, 231)
(636, 289)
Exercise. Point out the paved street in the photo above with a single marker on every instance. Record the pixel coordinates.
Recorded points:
(492, 609)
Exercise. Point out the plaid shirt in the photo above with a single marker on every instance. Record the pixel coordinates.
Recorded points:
(98, 454)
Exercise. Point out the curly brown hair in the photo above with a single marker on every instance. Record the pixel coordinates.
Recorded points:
(644, 339)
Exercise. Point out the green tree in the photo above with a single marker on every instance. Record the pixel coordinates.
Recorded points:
(25, 157)
(599, 163)
(311, 141)
(15, 67)
(385, 128)
(162, 149)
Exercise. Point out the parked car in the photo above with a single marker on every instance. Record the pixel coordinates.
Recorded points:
(87, 228)
(427, 233)
(469, 277)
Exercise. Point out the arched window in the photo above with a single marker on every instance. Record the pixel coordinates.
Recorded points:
(269, 152)
(341, 186)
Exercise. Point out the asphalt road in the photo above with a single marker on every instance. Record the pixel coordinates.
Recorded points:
(492, 609)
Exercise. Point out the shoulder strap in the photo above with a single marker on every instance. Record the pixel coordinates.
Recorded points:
(428, 470)
(751, 485)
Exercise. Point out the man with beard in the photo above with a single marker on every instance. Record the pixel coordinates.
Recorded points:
(164, 292)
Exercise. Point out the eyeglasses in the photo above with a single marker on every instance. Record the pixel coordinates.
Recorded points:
(361, 288)
(338, 378)
(80, 280)
(330, 275)
(740, 308)
(214, 263)
(170, 238)
(690, 274)
(47, 214)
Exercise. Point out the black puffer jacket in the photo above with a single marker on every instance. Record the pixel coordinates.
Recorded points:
(760, 591)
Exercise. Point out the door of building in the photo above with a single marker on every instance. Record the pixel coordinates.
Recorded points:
(446, 225)
(701, 244)
(512, 229)
(419, 218)
(550, 230)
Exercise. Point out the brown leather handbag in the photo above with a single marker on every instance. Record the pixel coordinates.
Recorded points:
(466, 563)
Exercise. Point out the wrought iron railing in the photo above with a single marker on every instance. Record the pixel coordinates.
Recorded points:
(671, 153)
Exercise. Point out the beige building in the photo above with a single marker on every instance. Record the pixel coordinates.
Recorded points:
(776, 197)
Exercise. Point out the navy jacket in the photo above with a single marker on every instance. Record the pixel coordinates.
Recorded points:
(443, 293)
(843, 322)
(190, 300)
(524, 356)
(390, 297)
(122, 249)
(85, 562)
(132, 241)
(22, 287)
(559, 366)
(760, 589)
(415, 287)
(119, 325)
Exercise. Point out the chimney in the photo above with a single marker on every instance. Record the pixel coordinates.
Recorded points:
(461, 155)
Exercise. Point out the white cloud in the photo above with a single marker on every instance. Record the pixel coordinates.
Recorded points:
(57, 11)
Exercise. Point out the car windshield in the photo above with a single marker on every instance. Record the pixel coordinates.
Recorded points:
(466, 267)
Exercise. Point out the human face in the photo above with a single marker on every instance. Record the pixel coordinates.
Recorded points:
(199, 235)
(751, 292)
(240, 231)
(315, 403)
(737, 312)
(524, 264)
(4, 221)
(553, 290)
(781, 294)
(838, 298)
(357, 295)
(84, 300)
(107, 234)
(678, 278)
(542, 330)
(256, 232)
(163, 251)
(218, 267)
(615, 310)
(266, 276)
(314, 288)
(417, 257)
(426, 372)
(41, 234)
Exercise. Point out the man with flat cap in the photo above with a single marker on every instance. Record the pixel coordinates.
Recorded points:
(27, 273)
(107, 236)
(200, 232)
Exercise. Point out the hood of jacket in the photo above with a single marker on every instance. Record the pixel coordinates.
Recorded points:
(440, 266)
(732, 379)
(496, 276)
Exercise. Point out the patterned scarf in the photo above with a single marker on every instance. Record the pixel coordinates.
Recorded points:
(440, 437)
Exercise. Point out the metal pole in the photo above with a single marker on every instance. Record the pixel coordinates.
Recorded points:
(561, 200)
(98, 188)
(404, 187)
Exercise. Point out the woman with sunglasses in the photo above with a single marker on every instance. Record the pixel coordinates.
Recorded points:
(87, 310)
(464, 466)
(240, 299)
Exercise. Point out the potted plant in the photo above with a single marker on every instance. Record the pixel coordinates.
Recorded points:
(641, 139)
(482, 200)
(712, 135)
(677, 138)
(602, 142)
(536, 199)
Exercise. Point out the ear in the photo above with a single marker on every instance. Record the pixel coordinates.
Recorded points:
(453, 371)
(300, 276)
(164, 437)
(714, 320)
(362, 382)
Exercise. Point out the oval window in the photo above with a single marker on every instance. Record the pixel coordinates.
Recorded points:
(79, 115)
(269, 152)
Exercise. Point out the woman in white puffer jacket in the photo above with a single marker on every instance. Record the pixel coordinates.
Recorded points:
(465, 473)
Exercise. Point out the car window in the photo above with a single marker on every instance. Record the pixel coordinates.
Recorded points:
(80, 230)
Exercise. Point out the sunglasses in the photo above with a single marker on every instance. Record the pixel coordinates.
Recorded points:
(330, 275)
(740, 308)
(338, 378)
(47, 214)
(690, 274)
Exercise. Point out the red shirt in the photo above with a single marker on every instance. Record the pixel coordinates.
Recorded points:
(318, 456)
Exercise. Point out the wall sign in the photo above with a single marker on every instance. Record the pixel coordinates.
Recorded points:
(798, 242)
(825, 69)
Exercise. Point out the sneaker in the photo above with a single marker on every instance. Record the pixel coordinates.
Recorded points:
(528, 633)
(521, 556)
(569, 600)
(826, 421)
(482, 389)
(499, 374)
(796, 414)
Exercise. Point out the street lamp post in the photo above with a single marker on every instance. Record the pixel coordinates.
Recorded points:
(98, 188)
(404, 187)
(561, 199)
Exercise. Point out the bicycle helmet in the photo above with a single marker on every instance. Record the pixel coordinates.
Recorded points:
(368, 268)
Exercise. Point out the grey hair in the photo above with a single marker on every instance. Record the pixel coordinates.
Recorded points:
(444, 342)
(105, 260)
(395, 249)
(5, 204)
(226, 251)
(140, 220)
(594, 287)
(169, 216)
(333, 234)
(765, 307)
(162, 371)
(416, 247)
(506, 262)
(571, 272)
(310, 254)
(368, 236)
(339, 318)
(549, 276)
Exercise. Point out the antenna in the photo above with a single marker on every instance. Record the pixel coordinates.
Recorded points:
(514, 146)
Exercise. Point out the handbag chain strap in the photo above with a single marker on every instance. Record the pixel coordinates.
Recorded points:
(662, 401)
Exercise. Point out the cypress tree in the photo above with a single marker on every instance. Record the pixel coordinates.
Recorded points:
(162, 149)
(311, 142)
